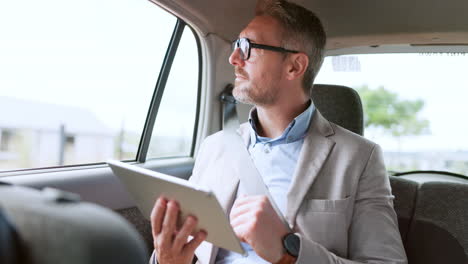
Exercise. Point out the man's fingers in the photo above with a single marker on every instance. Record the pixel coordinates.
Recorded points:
(182, 235)
(242, 219)
(169, 223)
(196, 241)
(238, 210)
(251, 200)
(249, 204)
(241, 231)
(157, 215)
(246, 199)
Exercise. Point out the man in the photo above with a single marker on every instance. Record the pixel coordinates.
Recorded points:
(329, 183)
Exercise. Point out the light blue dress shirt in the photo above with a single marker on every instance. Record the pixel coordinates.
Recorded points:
(276, 161)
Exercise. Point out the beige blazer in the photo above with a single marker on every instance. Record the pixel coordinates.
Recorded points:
(339, 201)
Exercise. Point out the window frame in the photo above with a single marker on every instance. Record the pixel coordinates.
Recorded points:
(142, 154)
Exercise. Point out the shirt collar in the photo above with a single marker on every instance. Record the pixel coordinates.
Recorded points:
(296, 129)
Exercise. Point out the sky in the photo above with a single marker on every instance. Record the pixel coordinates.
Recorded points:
(106, 55)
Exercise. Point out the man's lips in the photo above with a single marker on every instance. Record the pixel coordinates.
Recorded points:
(238, 76)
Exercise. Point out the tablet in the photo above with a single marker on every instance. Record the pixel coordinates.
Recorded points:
(145, 186)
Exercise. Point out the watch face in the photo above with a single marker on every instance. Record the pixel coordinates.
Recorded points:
(292, 244)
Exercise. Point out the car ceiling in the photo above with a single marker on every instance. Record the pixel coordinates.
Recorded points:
(347, 23)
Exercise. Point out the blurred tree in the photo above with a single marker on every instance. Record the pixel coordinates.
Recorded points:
(383, 109)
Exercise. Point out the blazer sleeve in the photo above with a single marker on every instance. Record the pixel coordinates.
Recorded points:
(373, 232)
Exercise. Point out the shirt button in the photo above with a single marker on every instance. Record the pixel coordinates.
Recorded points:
(267, 150)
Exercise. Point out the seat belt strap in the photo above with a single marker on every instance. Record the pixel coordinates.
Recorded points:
(244, 167)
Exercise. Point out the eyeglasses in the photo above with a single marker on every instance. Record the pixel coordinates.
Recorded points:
(245, 45)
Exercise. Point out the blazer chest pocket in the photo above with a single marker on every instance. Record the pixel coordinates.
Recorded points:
(327, 206)
(326, 222)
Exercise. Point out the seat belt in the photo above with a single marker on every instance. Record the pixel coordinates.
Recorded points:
(248, 174)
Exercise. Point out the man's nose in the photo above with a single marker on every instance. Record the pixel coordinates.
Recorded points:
(236, 58)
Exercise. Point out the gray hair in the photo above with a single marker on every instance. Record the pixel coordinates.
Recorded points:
(302, 30)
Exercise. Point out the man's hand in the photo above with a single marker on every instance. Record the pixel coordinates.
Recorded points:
(255, 222)
(171, 244)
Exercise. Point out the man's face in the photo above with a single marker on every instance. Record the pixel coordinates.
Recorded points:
(258, 79)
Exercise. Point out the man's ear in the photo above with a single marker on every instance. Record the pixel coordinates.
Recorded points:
(297, 65)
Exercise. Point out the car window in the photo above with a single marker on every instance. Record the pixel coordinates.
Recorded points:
(414, 106)
(77, 80)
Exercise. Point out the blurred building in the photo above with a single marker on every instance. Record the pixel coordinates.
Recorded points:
(35, 134)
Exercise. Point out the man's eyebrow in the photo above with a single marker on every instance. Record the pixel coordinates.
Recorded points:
(255, 38)
(252, 40)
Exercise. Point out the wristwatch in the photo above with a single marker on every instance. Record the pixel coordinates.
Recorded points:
(291, 244)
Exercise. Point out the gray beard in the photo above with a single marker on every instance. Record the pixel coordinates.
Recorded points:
(246, 96)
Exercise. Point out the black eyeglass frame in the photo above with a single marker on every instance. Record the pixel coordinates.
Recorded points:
(236, 44)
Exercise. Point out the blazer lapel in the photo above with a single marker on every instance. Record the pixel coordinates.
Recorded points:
(225, 188)
(226, 194)
(315, 150)
(244, 133)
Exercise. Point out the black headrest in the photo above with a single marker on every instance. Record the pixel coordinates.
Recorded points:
(340, 105)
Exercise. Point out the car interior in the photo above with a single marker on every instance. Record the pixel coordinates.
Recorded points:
(193, 71)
